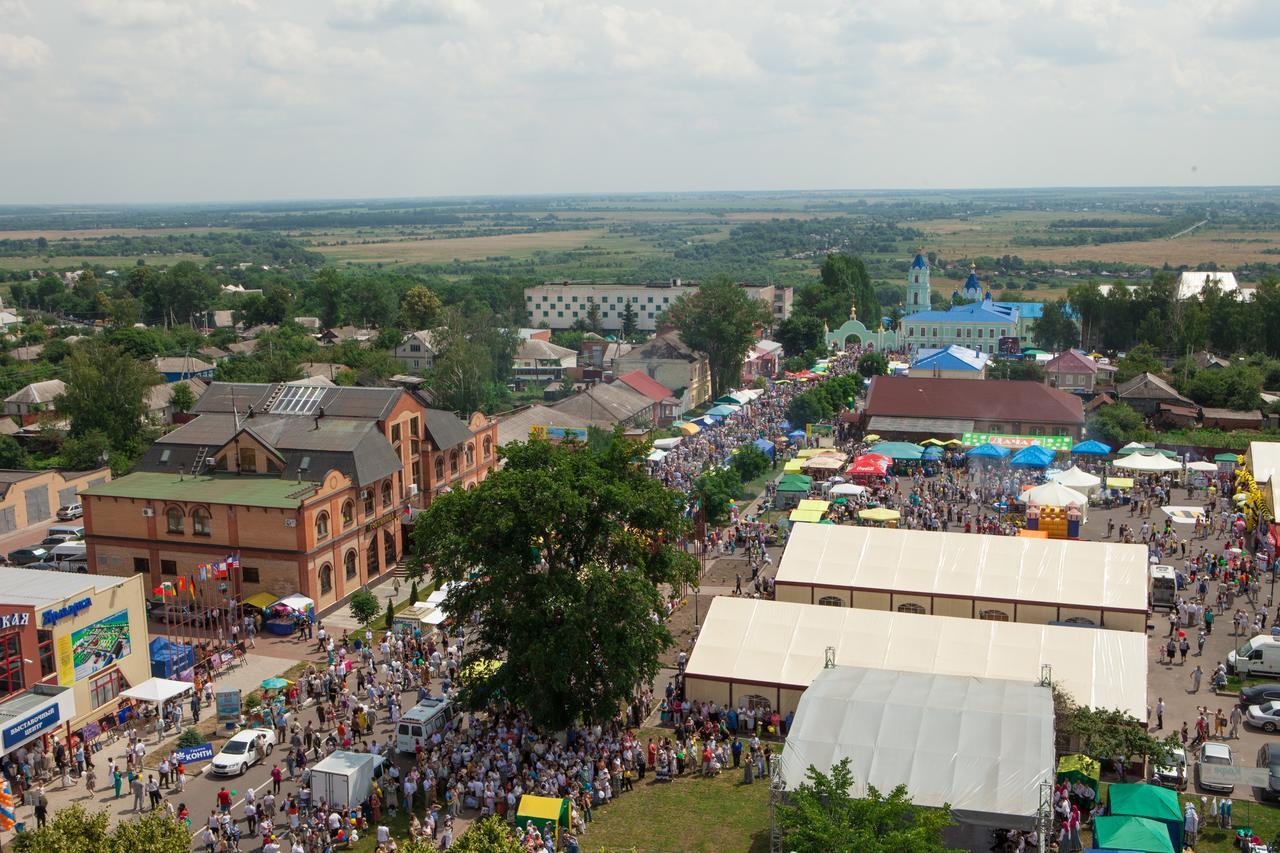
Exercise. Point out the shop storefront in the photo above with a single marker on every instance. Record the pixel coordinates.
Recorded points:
(70, 644)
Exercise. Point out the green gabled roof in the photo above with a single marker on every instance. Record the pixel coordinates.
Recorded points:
(242, 490)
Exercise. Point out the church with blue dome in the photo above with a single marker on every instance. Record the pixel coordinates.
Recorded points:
(973, 320)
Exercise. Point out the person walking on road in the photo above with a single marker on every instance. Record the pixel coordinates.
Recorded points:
(136, 787)
(1160, 713)
(1196, 675)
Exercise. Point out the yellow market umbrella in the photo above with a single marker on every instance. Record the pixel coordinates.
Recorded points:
(933, 441)
(872, 437)
(880, 514)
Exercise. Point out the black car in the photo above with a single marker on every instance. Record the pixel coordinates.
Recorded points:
(25, 556)
(1269, 757)
(1259, 694)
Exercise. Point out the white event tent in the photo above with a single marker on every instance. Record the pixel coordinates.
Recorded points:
(1053, 493)
(982, 745)
(1148, 462)
(1077, 478)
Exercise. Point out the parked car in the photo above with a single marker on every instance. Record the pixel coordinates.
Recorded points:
(26, 556)
(238, 754)
(70, 511)
(1174, 774)
(53, 541)
(1269, 757)
(1265, 716)
(1213, 753)
(1259, 694)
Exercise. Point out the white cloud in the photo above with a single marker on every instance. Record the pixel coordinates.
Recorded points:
(373, 14)
(22, 54)
(14, 10)
(134, 14)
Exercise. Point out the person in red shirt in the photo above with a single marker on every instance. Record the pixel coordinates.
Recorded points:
(224, 800)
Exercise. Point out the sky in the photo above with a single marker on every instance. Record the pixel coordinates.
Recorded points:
(234, 100)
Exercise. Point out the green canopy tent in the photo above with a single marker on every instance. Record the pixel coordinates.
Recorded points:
(545, 813)
(898, 451)
(1149, 801)
(1080, 769)
(1131, 833)
(1227, 457)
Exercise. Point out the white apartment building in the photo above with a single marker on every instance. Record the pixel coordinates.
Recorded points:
(559, 305)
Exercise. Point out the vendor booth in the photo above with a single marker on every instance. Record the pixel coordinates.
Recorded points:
(157, 691)
(1078, 479)
(1137, 834)
(1055, 509)
(169, 659)
(1080, 770)
(543, 812)
(284, 617)
(1151, 802)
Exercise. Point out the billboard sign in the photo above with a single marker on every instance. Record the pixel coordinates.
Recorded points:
(1059, 443)
(100, 644)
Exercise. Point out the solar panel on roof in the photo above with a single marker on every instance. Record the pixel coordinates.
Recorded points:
(298, 400)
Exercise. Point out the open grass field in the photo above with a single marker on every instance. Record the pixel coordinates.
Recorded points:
(93, 233)
(60, 262)
(424, 250)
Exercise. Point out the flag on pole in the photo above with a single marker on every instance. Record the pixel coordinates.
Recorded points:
(181, 584)
(191, 588)
(233, 561)
(219, 570)
(203, 570)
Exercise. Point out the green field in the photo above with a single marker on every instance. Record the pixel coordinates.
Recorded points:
(118, 262)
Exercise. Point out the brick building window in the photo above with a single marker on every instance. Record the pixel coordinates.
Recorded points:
(105, 688)
(350, 564)
(348, 513)
(176, 522)
(250, 574)
(201, 522)
(326, 579)
(322, 526)
(11, 678)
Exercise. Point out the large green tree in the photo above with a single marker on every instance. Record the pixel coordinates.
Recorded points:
(565, 550)
(844, 283)
(419, 308)
(1117, 425)
(181, 295)
(820, 816)
(799, 333)
(474, 360)
(72, 829)
(488, 835)
(719, 320)
(106, 391)
(1054, 329)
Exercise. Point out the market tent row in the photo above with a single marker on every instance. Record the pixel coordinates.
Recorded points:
(966, 575)
(982, 745)
(772, 650)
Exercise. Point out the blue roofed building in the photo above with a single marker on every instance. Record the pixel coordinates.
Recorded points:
(950, 362)
(974, 320)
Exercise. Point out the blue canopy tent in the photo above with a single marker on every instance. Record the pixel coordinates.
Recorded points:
(931, 453)
(706, 421)
(1033, 456)
(765, 446)
(796, 434)
(785, 426)
(987, 451)
(1092, 448)
(169, 658)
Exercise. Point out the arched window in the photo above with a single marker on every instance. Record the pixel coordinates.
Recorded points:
(177, 521)
(371, 556)
(389, 547)
(994, 615)
(348, 513)
(831, 601)
(386, 494)
(326, 578)
(471, 455)
(911, 608)
(368, 501)
(488, 447)
(439, 468)
(349, 562)
(322, 526)
(453, 462)
(201, 522)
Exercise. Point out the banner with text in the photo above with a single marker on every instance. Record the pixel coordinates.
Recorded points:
(1058, 443)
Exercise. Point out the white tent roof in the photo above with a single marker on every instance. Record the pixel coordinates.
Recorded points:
(981, 745)
(1202, 465)
(778, 643)
(1148, 462)
(848, 489)
(1263, 459)
(1077, 478)
(1010, 568)
(666, 443)
(1053, 493)
(158, 690)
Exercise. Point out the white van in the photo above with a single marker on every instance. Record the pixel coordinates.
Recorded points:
(74, 529)
(1259, 656)
(1164, 588)
(420, 722)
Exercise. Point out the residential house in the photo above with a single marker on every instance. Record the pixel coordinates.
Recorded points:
(1231, 419)
(668, 405)
(311, 324)
(30, 400)
(177, 368)
(607, 406)
(1075, 371)
(538, 362)
(1176, 417)
(347, 333)
(535, 334)
(213, 354)
(560, 305)
(326, 369)
(27, 354)
(160, 398)
(950, 362)
(222, 319)
(670, 361)
(1146, 391)
(417, 351)
(1206, 360)
(242, 347)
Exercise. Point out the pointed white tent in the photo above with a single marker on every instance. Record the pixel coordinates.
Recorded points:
(1148, 462)
(1077, 478)
(1053, 494)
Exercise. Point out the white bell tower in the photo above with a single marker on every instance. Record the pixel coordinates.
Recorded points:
(918, 285)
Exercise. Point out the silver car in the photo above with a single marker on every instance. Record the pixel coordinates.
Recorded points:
(1214, 753)
(1265, 716)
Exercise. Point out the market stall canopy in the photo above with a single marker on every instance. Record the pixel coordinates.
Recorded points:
(811, 515)
(1158, 451)
(871, 437)
(657, 455)
(987, 451)
(690, 428)
(981, 745)
(793, 466)
(706, 421)
(1202, 465)
(1138, 834)
(872, 464)
(796, 434)
(1119, 482)
(1148, 462)
(1032, 456)
(848, 489)
(1078, 479)
(669, 443)
(931, 453)
(898, 450)
(723, 411)
(297, 602)
(879, 514)
(1184, 514)
(822, 464)
(1148, 801)
(1092, 448)
(765, 446)
(814, 504)
(1053, 494)
(1233, 458)
(158, 690)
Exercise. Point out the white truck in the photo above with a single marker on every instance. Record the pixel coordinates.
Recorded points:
(345, 779)
(1259, 656)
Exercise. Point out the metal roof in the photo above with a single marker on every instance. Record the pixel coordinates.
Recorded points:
(445, 429)
(40, 588)
(247, 490)
(1016, 401)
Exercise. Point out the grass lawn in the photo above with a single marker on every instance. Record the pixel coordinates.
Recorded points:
(690, 813)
